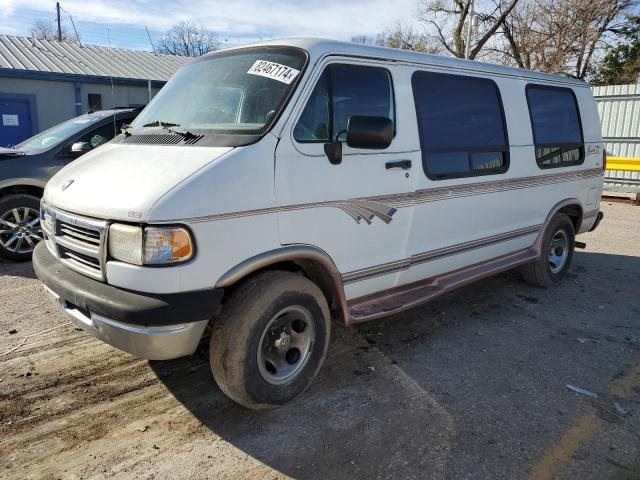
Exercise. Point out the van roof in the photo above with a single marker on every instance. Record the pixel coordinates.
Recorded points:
(319, 48)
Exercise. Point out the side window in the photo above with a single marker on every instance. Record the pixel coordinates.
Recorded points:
(344, 90)
(461, 124)
(557, 132)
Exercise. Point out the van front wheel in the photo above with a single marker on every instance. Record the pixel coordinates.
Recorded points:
(556, 255)
(270, 339)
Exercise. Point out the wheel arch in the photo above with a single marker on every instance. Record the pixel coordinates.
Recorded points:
(24, 186)
(311, 261)
(572, 207)
(575, 212)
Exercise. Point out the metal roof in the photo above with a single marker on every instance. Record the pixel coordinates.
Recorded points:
(26, 54)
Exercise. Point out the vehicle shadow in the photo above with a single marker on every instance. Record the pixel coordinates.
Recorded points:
(348, 424)
(17, 269)
(452, 379)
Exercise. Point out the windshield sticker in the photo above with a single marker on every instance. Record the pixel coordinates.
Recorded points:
(274, 71)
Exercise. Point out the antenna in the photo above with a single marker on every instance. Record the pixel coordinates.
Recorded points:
(113, 96)
(150, 41)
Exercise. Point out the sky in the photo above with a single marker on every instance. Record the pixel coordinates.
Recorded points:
(121, 23)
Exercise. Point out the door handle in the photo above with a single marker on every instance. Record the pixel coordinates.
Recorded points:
(403, 164)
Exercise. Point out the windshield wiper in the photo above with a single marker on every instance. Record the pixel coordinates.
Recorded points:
(167, 126)
(185, 135)
(160, 123)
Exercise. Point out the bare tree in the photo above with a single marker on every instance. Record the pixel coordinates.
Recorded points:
(560, 36)
(44, 30)
(449, 18)
(401, 37)
(189, 40)
(406, 38)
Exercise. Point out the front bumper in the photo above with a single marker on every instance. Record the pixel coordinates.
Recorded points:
(152, 326)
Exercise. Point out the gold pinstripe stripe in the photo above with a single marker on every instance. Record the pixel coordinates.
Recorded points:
(398, 265)
(403, 200)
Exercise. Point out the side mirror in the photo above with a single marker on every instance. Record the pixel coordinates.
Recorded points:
(79, 148)
(373, 133)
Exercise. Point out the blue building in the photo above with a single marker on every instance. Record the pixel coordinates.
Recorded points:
(43, 83)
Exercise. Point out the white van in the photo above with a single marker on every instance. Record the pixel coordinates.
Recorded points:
(269, 188)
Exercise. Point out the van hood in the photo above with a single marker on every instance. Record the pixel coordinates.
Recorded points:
(123, 182)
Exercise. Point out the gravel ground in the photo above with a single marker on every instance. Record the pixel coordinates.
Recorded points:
(472, 385)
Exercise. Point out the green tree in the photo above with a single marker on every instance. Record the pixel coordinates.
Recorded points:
(621, 63)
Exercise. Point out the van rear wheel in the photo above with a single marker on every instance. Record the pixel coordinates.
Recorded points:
(270, 340)
(556, 255)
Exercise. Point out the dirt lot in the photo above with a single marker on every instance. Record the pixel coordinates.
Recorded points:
(470, 386)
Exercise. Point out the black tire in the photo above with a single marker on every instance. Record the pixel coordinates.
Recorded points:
(18, 202)
(547, 273)
(238, 332)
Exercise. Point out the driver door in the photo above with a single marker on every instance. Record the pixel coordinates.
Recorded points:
(354, 210)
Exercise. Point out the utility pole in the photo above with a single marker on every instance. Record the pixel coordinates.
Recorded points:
(59, 26)
(467, 47)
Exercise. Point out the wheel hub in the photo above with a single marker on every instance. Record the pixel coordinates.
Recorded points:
(20, 229)
(283, 342)
(286, 345)
(558, 251)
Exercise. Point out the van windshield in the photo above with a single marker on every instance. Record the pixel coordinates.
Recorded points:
(236, 92)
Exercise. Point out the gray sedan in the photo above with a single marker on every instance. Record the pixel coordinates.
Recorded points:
(26, 168)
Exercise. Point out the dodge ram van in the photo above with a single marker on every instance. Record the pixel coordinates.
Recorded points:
(270, 188)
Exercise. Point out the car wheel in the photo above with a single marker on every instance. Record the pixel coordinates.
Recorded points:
(19, 226)
(556, 255)
(270, 339)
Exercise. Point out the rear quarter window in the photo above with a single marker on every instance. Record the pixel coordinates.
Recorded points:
(556, 126)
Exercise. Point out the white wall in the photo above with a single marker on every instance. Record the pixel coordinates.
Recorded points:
(56, 100)
(122, 94)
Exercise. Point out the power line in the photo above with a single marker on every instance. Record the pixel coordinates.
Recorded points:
(74, 26)
(150, 41)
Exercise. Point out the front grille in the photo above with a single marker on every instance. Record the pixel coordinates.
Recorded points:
(79, 242)
(79, 258)
(79, 234)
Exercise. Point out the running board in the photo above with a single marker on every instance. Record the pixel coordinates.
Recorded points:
(401, 298)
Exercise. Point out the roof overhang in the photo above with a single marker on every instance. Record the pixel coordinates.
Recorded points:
(71, 77)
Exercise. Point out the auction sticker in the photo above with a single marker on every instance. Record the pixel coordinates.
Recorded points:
(274, 71)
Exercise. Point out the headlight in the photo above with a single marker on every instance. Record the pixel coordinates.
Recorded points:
(125, 243)
(150, 246)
